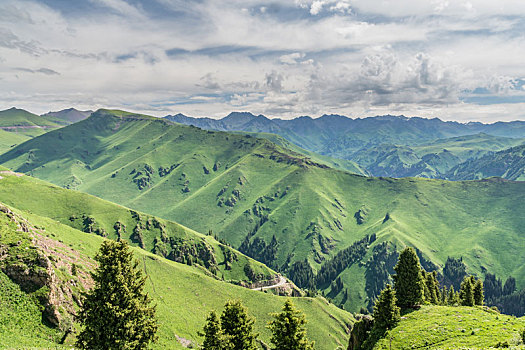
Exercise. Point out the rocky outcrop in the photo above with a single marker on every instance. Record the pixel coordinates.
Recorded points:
(31, 261)
(360, 332)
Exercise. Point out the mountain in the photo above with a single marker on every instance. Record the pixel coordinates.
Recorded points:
(10, 139)
(14, 117)
(67, 116)
(431, 160)
(18, 125)
(60, 258)
(297, 216)
(508, 164)
(380, 144)
(93, 215)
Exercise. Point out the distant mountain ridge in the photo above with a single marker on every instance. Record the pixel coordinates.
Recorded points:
(67, 116)
(509, 164)
(394, 146)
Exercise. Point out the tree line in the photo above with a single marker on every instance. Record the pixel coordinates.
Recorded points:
(118, 314)
(412, 287)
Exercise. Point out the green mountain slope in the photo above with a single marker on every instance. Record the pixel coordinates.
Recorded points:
(431, 160)
(184, 294)
(18, 125)
(341, 164)
(93, 215)
(10, 139)
(445, 327)
(18, 117)
(508, 164)
(249, 191)
(393, 146)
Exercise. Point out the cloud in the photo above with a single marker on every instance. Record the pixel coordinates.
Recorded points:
(45, 71)
(286, 58)
(274, 81)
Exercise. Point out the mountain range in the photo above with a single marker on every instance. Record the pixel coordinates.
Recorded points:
(394, 146)
(300, 217)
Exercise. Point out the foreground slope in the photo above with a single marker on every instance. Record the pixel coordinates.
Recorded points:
(278, 206)
(184, 294)
(446, 327)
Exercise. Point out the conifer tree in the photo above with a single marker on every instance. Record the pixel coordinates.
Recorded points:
(288, 329)
(237, 326)
(116, 313)
(431, 288)
(451, 296)
(386, 312)
(466, 292)
(478, 292)
(213, 337)
(408, 280)
(444, 296)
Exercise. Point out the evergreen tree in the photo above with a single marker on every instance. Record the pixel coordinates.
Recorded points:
(213, 337)
(451, 296)
(237, 326)
(408, 280)
(115, 314)
(288, 329)
(386, 312)
(478, 292)
(431, 287)
(466, 292)
(444, 295)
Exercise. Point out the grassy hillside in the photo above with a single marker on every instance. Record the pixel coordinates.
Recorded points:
(431, 159)
(9, 139)
(20, 117)
(249, 191)
(445, 327)
(509, 164)
(184, 295)
(341, 164)
(18, 125)
(93, 215)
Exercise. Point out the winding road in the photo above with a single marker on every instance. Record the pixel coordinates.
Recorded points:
(282, 282)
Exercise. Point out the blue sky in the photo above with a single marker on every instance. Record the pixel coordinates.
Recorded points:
(453, 59)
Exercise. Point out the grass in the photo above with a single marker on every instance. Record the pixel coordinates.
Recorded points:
(445, 327)
(21, 321)
(481, 221)
(63, 205)
(186, 294)
(20, 117)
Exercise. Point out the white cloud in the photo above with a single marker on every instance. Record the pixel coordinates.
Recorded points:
(284, 58)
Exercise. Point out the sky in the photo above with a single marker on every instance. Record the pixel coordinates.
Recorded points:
(458, 60)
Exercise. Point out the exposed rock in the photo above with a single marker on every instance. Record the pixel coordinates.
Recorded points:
(360, 332)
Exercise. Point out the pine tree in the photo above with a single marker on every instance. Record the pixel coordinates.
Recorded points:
(444, 295)
(451, 296)
(408, 280)
(288, 329)
(116, 314)
(478, 292)
(466, 292)
(238, 326)
(386, 312)
(213, 337)
(431, 288)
